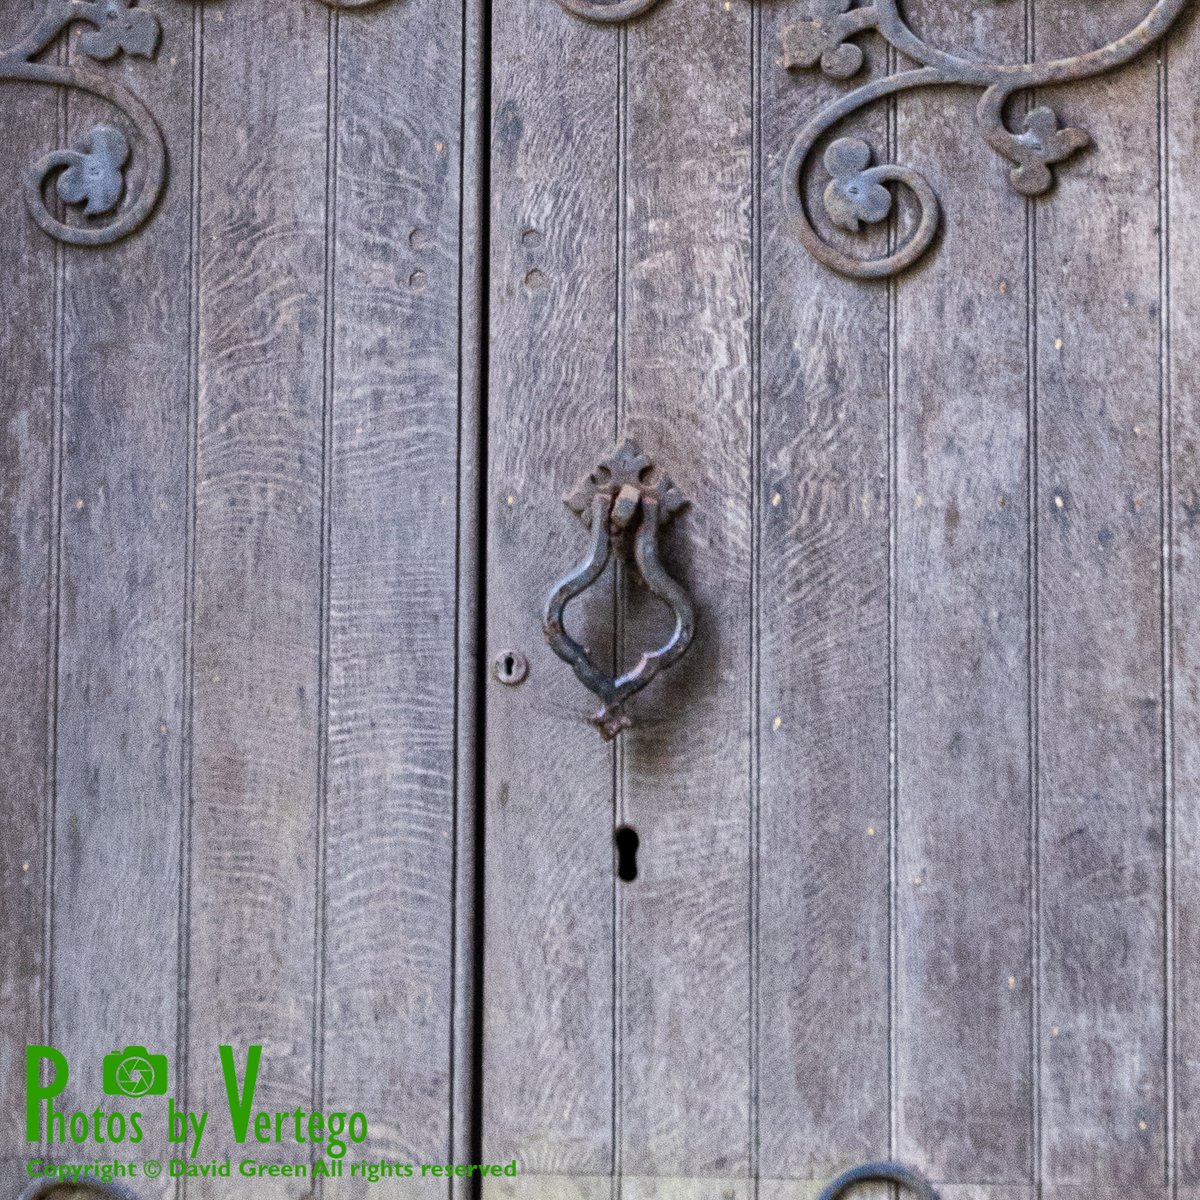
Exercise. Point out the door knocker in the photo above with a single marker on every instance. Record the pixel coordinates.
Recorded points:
(880, 1172)
(619, 10)
(625, 502)
(48, 1189)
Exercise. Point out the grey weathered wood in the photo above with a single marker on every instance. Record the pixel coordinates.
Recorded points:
(547, 1034)
(256, 795)
(684, 770)
(1183, 396)
(389, 852)
(123, 569)
(1103, 1083)
(324, 922)
(823, 714)
(28, 416)
(964, 987)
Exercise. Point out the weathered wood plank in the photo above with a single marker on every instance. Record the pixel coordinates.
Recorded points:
(389, 853)
(258, 554)
(124, 544)
(28, 346)
(549, 816)
(964, 959)
(1100, 671)
(684, 769)
(1183, 379)
(823, 619)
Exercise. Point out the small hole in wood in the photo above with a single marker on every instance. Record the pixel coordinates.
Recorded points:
(627, 842)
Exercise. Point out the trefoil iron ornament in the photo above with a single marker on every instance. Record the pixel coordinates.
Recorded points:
(857, 192)
(92, 174)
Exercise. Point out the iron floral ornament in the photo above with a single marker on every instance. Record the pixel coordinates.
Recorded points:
(857, 193)
(93, 173)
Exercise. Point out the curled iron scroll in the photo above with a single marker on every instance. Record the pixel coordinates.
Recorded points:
(92, 174)
(625, 498)
(857, 192)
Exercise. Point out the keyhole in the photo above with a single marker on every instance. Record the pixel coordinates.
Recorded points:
(510, 667)
(627, 842)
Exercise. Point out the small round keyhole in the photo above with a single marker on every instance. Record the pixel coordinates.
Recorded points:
(627, 842)
(510, 667)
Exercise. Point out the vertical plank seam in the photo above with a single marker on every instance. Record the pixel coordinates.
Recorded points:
(327, 398)
(1166, 492)
(463, 768)
(54, 625)
(756, 166)
(184, 945)
(470, 552)
(618, 750)
(893, 392)
(1033, 651)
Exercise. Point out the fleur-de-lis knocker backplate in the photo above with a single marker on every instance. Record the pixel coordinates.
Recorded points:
(857, 193)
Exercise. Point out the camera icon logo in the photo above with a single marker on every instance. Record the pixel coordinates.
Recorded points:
(135, 1072)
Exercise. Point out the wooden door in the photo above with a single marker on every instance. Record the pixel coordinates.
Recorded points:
(916, 876)
(233, 552)
(287, 421)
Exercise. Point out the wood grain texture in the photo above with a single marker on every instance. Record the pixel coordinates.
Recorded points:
(823, 711)
(330, 550)
(549, 807)
(1182, 262)
(964, 987)
(123, 553)
(389, 850)
(28, 349)
(259, 526)
(1100, 719)
(684, 769)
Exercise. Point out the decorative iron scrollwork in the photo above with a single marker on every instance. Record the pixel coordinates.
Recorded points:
(93, 173)
(857, 193)
(625, 502)
(616, 10)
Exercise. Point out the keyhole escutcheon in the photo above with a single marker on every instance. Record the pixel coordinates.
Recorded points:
(510, 667)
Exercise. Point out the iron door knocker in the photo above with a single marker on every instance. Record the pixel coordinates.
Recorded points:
(625, 502)
(880, 1172)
